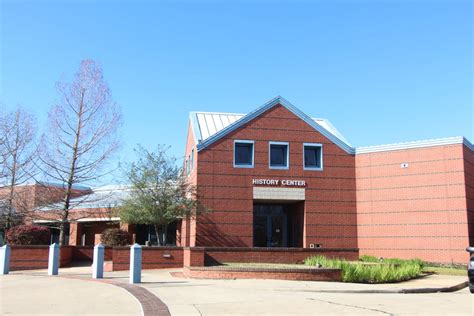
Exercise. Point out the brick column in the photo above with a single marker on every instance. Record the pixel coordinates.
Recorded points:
(193, 257)
(184, 240)
(129, 228)
(75, 233)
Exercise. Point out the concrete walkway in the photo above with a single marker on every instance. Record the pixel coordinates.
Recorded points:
(34, 293)
(276, 297)
(252, 297)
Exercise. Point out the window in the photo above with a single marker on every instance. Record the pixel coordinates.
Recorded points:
(243, 153)
(279, 155)
(313, 156)
(192, 159)
(189, 164)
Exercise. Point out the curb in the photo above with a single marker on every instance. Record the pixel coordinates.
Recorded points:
(448, 289)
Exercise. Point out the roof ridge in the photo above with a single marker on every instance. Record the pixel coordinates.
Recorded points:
(216, 132)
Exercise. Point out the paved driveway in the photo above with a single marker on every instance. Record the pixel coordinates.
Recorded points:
(27, 293)
(275, 297)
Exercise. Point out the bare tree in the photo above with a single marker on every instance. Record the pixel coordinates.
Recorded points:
(17, 156)
(81, 135)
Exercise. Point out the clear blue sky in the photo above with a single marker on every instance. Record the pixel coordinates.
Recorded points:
(381, 71)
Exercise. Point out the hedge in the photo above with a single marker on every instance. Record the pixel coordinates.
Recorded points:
(28, 235)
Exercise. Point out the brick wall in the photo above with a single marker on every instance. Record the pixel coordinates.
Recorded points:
(215, 255)
(36, 257)
(330, 206)
(86, 253)
(275, 274)
(152, 258)
(419, 211)
(193, 257)
(65, 255)
(187, 229)
(469, 181)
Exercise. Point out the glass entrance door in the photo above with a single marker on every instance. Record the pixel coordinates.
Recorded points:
(270, 225)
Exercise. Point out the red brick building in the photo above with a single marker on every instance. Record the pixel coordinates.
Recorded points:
(278, 178)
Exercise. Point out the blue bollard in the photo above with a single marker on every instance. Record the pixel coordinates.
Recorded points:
(135, 264)
(53, 261)
(5, 259)
(98, 262)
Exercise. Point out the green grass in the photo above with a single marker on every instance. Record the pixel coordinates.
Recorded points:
(370, 269)
(446, 270)
(427, 268)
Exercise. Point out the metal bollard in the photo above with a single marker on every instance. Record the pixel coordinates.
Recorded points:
(5, 260)
(135, 263)
(98, 262)
(53, 261)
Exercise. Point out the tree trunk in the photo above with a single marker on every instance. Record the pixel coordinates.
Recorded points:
(72, 171)
(161, 234)
(62, 233)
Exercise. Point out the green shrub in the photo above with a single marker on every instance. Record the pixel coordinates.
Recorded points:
(114, 237)
(28, 235)
(370, 271)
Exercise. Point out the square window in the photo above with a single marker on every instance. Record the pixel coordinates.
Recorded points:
(243, 154)
(279, 155)
(313, 156)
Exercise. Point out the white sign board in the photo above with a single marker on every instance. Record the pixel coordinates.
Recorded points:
(278, 182)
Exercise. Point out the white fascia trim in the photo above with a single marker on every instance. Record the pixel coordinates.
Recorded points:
(195, 126)
(270, 143)
(101, 219)
(254, 114)
(243, 141)
(40, 221)
(415, 144)
(313, 145)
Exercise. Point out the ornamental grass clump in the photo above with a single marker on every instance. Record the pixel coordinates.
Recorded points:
(369, 270)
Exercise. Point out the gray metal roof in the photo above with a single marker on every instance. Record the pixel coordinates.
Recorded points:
(207, 125)
(102, 197)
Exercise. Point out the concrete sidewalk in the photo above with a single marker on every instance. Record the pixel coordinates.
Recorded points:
(35, 293)
(253, 297)
(278, 297)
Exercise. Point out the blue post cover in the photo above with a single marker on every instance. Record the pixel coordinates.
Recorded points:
(53, 261)
(135, 264)
(98, 262)
(4, 260)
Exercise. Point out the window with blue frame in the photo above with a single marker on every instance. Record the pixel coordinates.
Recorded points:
(279, 155)
(243, 153)
(313, 156)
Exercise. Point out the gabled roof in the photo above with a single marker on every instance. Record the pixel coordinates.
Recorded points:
(209, 127)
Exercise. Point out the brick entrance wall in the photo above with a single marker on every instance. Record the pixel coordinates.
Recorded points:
(330, 206)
